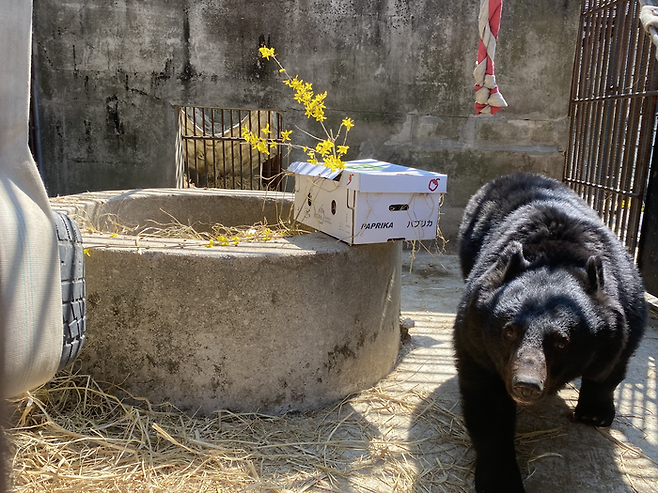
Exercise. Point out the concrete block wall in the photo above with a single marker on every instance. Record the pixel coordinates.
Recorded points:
(110, 74)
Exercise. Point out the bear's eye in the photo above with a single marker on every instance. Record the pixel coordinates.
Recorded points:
(561, 343)
(509, 331)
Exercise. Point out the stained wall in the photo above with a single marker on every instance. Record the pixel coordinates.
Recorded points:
(109, 75)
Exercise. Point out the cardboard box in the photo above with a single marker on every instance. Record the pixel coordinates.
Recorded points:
(369, 201)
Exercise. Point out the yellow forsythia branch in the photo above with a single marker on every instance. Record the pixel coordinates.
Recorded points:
(329, 152)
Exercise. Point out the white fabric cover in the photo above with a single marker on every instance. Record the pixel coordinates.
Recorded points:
(30, 290)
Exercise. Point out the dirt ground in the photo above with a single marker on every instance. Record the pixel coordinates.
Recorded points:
(403, 435)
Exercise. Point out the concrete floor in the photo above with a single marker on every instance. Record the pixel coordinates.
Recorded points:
(554, 453)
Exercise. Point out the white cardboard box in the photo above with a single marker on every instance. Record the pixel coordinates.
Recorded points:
(369, 201)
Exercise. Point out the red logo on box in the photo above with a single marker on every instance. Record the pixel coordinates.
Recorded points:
(433, 184)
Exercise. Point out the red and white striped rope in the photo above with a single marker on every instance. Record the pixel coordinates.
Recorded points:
(488, 99)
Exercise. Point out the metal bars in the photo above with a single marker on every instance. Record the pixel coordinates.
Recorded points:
(215, 155)
(613, 104)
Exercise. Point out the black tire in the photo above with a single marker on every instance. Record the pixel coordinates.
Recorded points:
(72, 272)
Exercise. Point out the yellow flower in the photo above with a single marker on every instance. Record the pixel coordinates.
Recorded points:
(266, 130)
(348, 123)
(209, 244)
(250, 137)
(266, 52)
(342, 149)
(315, 107)
(235, 240)
(295, 83)
(334, 163)
(261, 146)
(302, 94)
(86, 252)
(324, 147)
(285, 135)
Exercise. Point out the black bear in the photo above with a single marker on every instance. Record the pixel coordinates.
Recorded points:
(551, 295)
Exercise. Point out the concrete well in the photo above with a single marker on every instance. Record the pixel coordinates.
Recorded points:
(288, 324)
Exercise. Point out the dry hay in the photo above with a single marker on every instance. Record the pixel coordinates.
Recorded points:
(73, 434)
(212, 235)
(221, 235)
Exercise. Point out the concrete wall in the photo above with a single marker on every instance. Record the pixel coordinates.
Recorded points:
(109, 75)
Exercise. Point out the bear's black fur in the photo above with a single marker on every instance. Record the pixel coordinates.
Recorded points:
(551, 295)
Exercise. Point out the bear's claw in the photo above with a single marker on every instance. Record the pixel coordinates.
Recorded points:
(600, 414)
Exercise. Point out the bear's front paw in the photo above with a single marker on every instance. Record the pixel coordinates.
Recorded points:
(595, 413)
(503, 478)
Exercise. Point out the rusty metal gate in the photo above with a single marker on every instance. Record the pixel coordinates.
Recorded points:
(215, 155)
(613, 114)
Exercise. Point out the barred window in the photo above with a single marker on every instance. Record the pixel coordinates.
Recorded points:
(215, 155)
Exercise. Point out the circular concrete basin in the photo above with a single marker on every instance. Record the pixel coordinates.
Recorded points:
(288, 324)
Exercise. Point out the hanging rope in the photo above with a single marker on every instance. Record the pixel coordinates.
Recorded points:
(487, 98)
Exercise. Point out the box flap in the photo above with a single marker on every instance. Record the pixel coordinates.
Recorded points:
(308, 169)
(370, 175)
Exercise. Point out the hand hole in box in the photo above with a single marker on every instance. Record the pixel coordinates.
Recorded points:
(398, 207)
(333, 207)
(309, 199)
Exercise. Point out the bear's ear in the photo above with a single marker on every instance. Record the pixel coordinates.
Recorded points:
(594, 269)
(509, 264)
(512, 261)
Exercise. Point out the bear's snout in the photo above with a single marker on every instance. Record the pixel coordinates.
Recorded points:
(528, 375)
(527, 387)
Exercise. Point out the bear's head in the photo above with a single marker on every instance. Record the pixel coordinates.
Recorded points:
(542, 324)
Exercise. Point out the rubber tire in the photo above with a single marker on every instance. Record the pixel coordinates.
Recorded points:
(72, 273)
